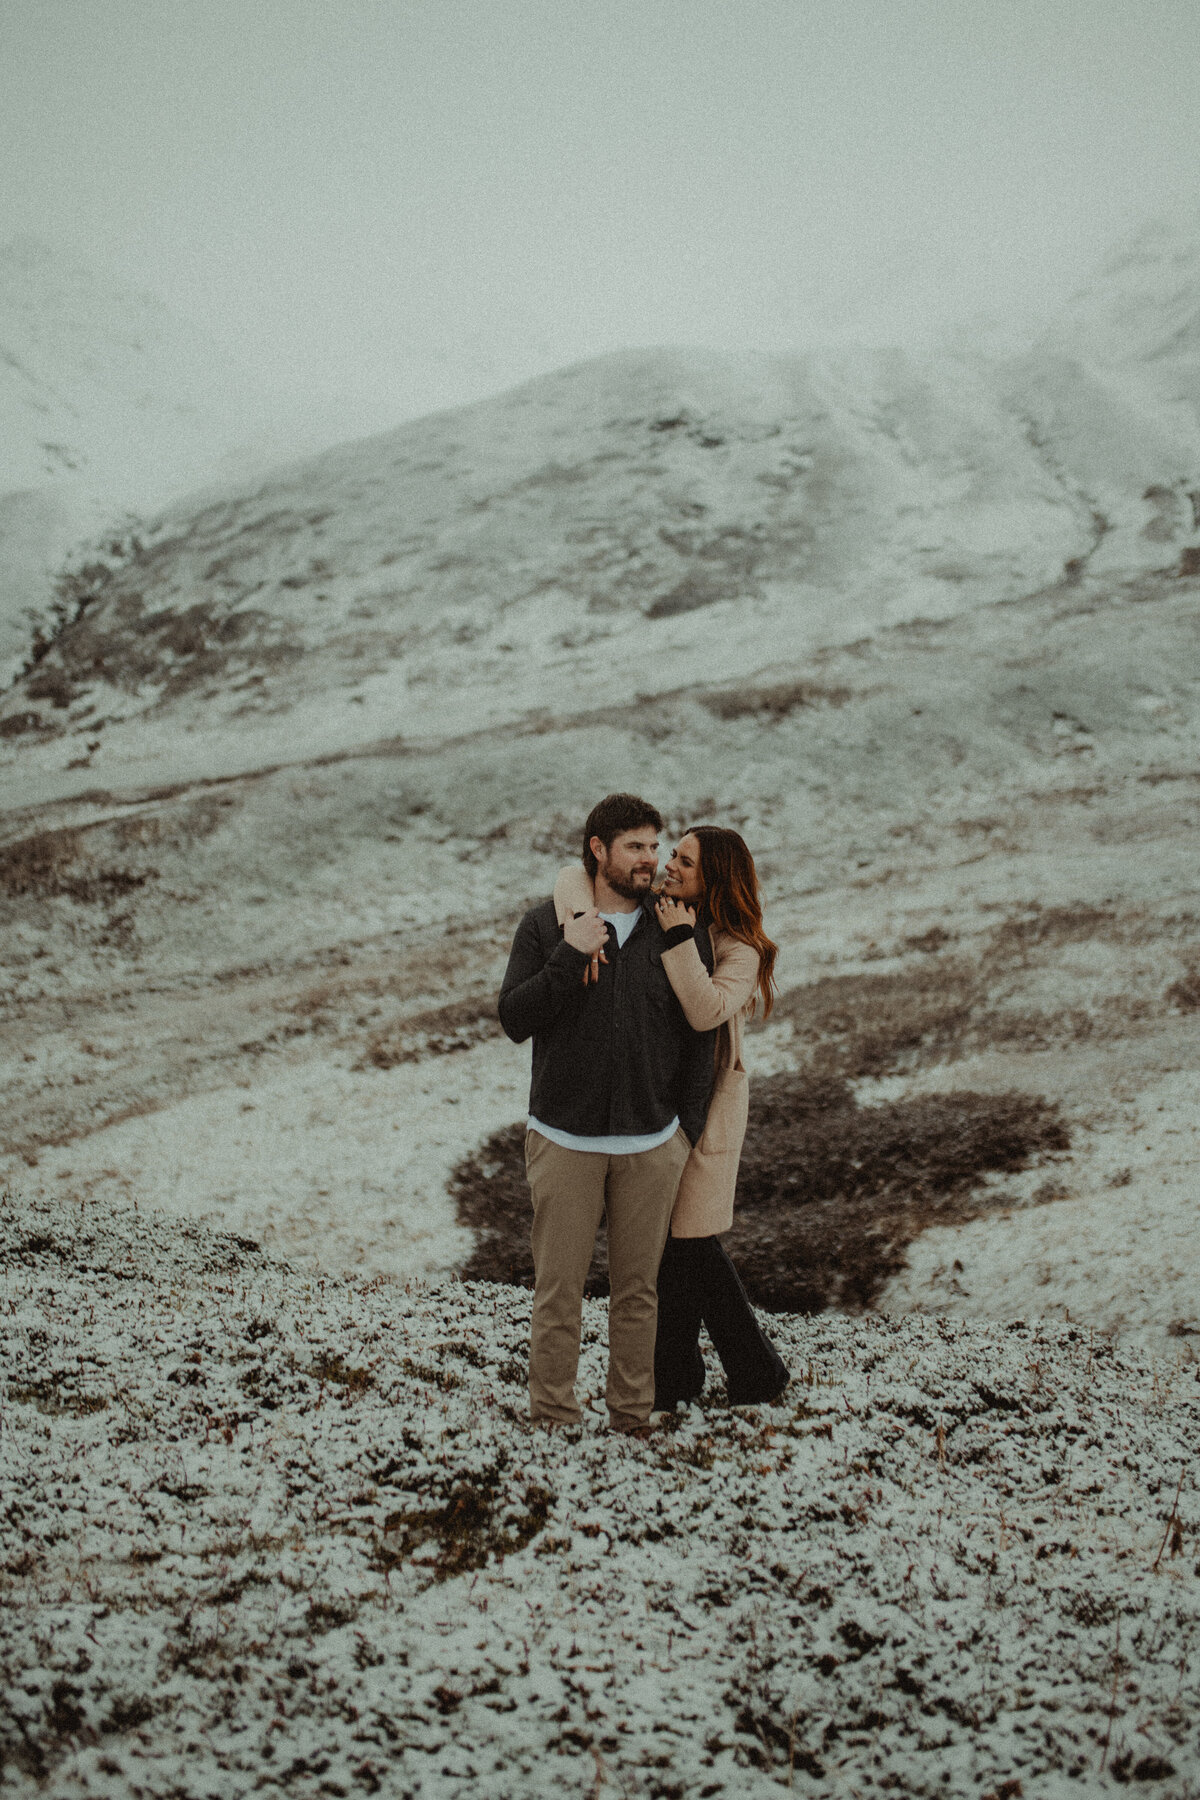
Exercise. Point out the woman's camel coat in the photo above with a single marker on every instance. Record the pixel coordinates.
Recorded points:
(704, 1203)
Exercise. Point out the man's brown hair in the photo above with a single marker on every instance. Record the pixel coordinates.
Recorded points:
(610, 817)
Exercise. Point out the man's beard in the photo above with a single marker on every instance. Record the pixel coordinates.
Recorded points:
(627, 888)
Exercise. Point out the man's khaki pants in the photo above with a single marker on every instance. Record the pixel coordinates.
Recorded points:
(572, 1190)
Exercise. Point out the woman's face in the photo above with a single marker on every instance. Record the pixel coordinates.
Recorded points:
(682, 880)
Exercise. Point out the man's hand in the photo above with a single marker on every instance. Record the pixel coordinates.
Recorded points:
(587, 932)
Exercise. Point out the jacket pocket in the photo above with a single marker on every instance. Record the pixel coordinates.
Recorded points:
(725, 1126)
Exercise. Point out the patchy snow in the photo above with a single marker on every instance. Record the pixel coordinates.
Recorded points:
(1000, 807)
(1123, 1255)
(334, 1168)
(264, 1531)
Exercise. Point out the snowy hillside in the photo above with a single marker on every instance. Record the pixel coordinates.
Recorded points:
(593, 535)
(274, 795)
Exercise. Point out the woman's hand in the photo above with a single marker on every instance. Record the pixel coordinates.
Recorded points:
(673, 912)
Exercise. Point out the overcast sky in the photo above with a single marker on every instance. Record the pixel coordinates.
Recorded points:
(342, 188)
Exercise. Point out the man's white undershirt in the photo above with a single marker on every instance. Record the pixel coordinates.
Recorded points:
(623, 924)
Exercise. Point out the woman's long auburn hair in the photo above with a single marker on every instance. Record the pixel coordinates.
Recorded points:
(730, 884)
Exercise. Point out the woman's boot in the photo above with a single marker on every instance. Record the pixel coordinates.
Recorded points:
(754, 1370)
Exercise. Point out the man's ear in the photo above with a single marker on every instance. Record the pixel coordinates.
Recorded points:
(598, 848)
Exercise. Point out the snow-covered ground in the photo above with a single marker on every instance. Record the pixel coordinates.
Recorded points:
(338, 1168)
(264, 1531)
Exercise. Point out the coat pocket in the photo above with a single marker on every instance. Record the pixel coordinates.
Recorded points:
(725, 1126)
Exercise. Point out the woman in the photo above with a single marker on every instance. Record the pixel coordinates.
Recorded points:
(711, 875)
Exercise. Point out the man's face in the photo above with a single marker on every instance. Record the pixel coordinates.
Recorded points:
(630, 863)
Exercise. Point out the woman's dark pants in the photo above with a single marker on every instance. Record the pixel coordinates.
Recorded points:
(697, 1284)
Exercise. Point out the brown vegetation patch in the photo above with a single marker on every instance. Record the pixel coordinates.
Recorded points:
(49, 863)
(175, 649)
(693, 592)
(1185, 993)
(934, 1011)
(1050, 926)
(441, 1032)
(774, 702)
(329, 1368)
(18, 723)
(467, 1520)
(830, 1194)
(56, 1394)
(855, 1025)
(1110, 1018)
(53, 684)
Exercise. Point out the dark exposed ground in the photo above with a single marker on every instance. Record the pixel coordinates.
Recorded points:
(830, 1193)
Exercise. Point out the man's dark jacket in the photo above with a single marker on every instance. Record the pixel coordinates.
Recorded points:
(614, 1058)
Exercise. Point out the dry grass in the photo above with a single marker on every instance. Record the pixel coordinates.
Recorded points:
(776, 702)
(440, 1032)
(1048, 927)
(856, 1025)
(946, 1007)
(51, 863)
(466, 1522)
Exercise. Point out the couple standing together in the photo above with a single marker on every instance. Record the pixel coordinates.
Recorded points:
(637, 1110)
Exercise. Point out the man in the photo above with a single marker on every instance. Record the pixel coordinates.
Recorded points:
(619, 1092)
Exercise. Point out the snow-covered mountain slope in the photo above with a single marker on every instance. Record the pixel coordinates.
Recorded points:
(1111, 391)
(595, 533)
(626, 526)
